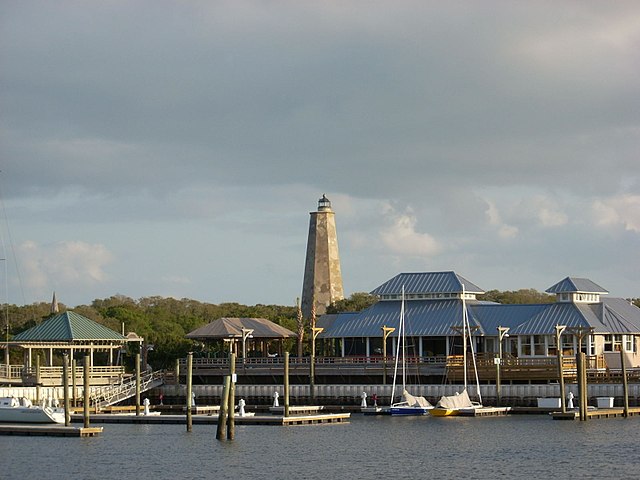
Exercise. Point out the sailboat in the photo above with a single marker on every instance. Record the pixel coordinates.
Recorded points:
(410, 405)
(460, 403)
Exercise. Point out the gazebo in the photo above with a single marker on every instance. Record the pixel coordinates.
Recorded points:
(234, 330)
(70, 333)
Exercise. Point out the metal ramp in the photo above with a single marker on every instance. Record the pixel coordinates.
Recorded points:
(102, 397)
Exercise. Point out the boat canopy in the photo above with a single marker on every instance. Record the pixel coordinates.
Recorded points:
(415, 401)
(454, 402)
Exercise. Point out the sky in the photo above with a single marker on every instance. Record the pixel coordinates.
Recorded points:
(176, 148)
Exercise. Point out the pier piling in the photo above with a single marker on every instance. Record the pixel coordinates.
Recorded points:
(231, 422)
(74, 391)
(86, 390)
(625, 385)
(189, 395)
(65, 386)
(137, 384)
(559, 331)
(224, 404)
(286, 384)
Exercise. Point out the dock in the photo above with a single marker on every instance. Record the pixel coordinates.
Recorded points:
(375, 410)
(595, 413)
(487, 412)
(298, 410)
(49, 430)
(213, 419)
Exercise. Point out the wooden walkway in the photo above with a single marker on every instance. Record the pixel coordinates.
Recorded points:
(488, 412)
(596, 413)
(213, 419)
(49, 430)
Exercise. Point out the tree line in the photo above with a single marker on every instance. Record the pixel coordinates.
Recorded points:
(164, 322)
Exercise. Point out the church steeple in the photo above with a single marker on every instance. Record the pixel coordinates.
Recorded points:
(54, 304)
(322, 283)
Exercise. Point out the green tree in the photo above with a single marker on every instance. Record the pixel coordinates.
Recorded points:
(522, 296)
(355, 303)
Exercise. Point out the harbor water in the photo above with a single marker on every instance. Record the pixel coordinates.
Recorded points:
(516, 446)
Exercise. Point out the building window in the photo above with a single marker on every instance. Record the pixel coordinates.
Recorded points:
(539, 345)
(568, 344)
(612, 343)
(630, 343)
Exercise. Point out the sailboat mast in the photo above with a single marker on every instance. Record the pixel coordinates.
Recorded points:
(473, 356)
(399, 345)
(464, 338)
(404, 346)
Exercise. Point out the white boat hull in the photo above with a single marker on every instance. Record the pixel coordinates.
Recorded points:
(11, 411)
(29, 415)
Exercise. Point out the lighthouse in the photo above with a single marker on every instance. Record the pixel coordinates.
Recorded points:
(322, 283)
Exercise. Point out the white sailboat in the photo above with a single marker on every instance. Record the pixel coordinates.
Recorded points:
(460, 403)
(410, 405)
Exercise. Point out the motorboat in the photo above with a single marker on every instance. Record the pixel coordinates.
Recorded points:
(21, 410)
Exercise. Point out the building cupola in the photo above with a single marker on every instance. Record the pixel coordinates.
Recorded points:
(577, 290)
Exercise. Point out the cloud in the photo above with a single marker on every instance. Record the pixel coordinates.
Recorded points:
(401, 237)
(69, 265)
(505, 231)
(540, 210)
(621, 210)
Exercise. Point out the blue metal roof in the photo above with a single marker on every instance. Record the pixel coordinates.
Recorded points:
(426, 282)
(492, 316)
(436, 317)
(422, 318)
(613, 315)
(573, 284)
(544, 322)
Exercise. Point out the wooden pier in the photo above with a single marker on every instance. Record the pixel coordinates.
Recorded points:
(213, 419)
(487, 412)
(49, 430)
(596, 413)
(298, 410)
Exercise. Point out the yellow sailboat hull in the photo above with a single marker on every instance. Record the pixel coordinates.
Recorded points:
(443, 412)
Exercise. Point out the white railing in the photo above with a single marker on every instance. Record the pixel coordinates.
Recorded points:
(11, 372)
(108, 395)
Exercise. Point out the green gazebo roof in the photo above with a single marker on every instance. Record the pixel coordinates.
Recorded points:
(67, 327)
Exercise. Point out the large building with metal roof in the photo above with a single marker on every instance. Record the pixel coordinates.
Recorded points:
(434, 303)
